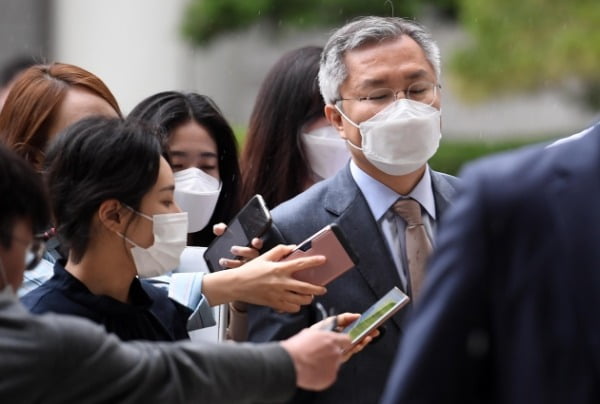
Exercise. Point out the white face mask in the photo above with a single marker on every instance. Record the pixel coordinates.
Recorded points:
(196, 193)
(400, 138)
(170, 239)
(325, 150)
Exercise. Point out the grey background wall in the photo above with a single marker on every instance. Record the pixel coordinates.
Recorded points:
(136, 48)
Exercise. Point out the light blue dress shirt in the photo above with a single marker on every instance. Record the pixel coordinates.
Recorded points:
(380, 199)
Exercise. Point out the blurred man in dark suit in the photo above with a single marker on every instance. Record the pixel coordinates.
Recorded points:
(509, 311)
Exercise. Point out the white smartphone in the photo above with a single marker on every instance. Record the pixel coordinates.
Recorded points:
(376, 315)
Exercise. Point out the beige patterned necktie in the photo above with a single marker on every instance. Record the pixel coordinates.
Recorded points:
(418, 246)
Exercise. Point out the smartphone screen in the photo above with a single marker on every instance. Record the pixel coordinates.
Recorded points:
(253, 220)
(376, 315)
(330, 242)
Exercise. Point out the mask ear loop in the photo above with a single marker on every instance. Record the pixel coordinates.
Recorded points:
(351, 122)
(138, 213)
(123, 236)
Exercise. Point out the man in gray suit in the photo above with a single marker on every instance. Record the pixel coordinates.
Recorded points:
(63, 359)
(379, 78)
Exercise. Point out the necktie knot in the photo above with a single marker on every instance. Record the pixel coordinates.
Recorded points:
(409, 210)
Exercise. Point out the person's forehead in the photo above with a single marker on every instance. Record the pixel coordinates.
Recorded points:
(191, 134)
(77, 104)
(385, 54)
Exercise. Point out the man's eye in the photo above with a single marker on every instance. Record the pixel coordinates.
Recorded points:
(380, 95)
(418, 90)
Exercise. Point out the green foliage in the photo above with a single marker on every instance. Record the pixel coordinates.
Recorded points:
(528, 44)
(205, 19)
(453, 154)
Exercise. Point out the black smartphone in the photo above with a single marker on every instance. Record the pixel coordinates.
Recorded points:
(253, 220)
(330, 242)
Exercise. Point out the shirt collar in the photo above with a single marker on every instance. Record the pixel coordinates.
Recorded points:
(139, 299)
(380, 197)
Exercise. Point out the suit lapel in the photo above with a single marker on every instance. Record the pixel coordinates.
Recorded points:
(444, 191)
(345, 200)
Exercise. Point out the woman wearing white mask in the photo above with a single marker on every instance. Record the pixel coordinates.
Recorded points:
(290, 145)
(202, 149)
(113, 203)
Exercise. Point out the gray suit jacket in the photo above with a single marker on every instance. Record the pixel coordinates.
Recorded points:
(339, 200)
(63, 359)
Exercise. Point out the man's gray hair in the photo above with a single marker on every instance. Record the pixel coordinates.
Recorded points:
(362, 31)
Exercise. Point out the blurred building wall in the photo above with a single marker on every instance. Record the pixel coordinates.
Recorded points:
(135, 46)
(24, 28)
(132, 45)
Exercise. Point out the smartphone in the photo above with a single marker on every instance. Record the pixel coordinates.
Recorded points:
(376, 315)
(253, 220)
(330, 242)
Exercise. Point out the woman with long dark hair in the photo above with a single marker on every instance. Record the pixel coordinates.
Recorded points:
(290, 145)
(196, 137)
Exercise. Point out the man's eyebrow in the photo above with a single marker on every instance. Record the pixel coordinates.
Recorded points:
(370, 83)
(418, 74)
(374, 83)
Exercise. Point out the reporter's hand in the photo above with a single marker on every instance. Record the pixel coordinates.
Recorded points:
(317, 356)
(342, 321)
(245, 253)
(267, 282)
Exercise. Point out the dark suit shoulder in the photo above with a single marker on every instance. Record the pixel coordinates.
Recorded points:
(535, 163)
(451, 181)
(316, 207)
(303, 201)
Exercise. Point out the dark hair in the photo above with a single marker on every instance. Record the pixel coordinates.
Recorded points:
(94, 160)
(23, 196)
(273, 162)
(168, 110)
(33, 102)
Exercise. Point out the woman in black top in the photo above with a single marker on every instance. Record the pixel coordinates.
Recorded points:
(112, 198)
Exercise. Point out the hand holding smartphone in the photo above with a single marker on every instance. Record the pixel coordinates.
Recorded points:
(253, 220)
(330, 242)
(376, 315)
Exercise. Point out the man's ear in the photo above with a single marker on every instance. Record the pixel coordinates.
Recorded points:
(335, 119)
(112, 214)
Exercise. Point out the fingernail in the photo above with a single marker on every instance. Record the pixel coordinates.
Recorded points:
(234, 250)
(222, 262)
